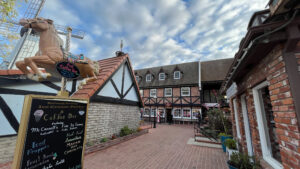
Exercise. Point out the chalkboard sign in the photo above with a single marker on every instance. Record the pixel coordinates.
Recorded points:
(67, 70)
(51, 134)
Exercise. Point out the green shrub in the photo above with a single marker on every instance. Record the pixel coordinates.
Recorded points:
(230, 143)
(243, 161)
(103, 140)
(218, 121)
(125, 131)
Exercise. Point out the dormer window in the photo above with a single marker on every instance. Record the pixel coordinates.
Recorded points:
(162, 76)
(177, 75)
(137, 78)
(148, 78)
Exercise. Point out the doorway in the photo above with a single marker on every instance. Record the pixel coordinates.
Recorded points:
(169, 116)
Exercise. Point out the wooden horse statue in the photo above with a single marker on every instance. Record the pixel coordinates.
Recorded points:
(50, 53)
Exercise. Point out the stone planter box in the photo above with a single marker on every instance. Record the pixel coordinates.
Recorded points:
(109, 143)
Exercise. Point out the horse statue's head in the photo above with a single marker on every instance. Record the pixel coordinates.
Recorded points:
(38, 24)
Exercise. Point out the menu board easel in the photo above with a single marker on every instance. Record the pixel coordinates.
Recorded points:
(51, 133)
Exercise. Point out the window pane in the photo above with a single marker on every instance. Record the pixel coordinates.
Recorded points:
(153, 112)
(161, 112)
(147, 112)
(177, 113)
(196, 113)
(186, 113)
(185, 91)
(206, 96)
(152, 92)
(148, 77)
(141, 93)
(177, 75)
(168, 91)
(162, 76)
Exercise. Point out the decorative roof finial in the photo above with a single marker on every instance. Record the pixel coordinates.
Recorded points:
(121, 45)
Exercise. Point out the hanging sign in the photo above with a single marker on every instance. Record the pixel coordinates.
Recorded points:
(67, 70)
(51, 133)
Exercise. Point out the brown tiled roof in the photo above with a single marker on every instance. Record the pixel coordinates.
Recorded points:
(107, 68)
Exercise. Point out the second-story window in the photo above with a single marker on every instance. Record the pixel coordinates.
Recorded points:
(137, 78)
(168, 92)
(162, 76)
(185, 91)
(177, 75)
(152, 92)
(148, 78)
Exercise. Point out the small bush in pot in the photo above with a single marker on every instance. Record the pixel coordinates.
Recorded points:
(230, 147)
(243, 161)
(223, 138)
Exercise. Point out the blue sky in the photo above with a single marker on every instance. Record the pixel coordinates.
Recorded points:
(156, 32)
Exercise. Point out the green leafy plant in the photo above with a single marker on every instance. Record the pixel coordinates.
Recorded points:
(103, 140)
(243, 161)
(231, 144)
(89, 143)
(223, 134)
(218, 121)
(125, 131)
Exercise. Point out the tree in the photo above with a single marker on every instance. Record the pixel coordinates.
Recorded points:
(7, 12)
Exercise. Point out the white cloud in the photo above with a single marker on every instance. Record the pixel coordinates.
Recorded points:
(157, 32)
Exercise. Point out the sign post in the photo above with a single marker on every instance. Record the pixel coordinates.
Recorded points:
(52, 133)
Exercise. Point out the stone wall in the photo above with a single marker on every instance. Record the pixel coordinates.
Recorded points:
(104, 120)
(7, 148)
(272, 69)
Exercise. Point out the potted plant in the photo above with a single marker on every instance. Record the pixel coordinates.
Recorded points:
(243, 161)
(223, 137)
(230, 147)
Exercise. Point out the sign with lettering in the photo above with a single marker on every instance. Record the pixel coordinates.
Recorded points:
(51, 133)
(67, 70)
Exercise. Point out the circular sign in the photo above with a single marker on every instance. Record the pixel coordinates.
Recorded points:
(67, 70)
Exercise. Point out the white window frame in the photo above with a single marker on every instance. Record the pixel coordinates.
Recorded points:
(155, 112)
(198, 110)
(177, 117)
(179, 75)
(142, 93)
(151, 93)
(261, 122)
(166, 92)
(148, 78)
(164, 112)
(190, 113)
(145, 111)
(189, 89)
(246, 125)
(238, 132)
(159, 76)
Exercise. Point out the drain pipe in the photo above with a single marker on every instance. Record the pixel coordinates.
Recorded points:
(253, 42)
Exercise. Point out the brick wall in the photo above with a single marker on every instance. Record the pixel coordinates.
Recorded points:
(272, 68)
(7, 148)
(104, 119)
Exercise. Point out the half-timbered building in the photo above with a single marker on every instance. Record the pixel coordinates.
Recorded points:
(180, 92)
(114, 101)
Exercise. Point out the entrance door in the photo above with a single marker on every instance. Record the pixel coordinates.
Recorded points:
(169, 116)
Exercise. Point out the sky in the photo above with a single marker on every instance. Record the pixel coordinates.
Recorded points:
(156, 32)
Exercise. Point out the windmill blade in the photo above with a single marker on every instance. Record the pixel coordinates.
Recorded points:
(76, 33)
(34, 8)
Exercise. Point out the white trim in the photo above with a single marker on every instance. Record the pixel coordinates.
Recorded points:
(238, 132)
(151, 94)
(141, 92)
(164, 76)
(179, 74)
(188, 90)
(263, 135)
(166, 94)
(186, 109)
(148, 80)
(246, 125)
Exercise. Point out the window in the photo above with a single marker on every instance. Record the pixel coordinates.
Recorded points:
(236, 117)
(185, 91)
(186, 113)
(168, 91)
(142, 93)
(266, 125)
(148, 78)
(146, 112)
(162, 76)
(177, 75)
(177, 113)
(152, 92)
(161, 112)
(196, 113)
(137, 78)
(153, 112)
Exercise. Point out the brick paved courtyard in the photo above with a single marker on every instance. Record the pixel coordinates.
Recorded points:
(163, 147)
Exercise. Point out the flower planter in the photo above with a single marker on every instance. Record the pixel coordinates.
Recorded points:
(230, 166)
(230, 151)
(223, 138)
